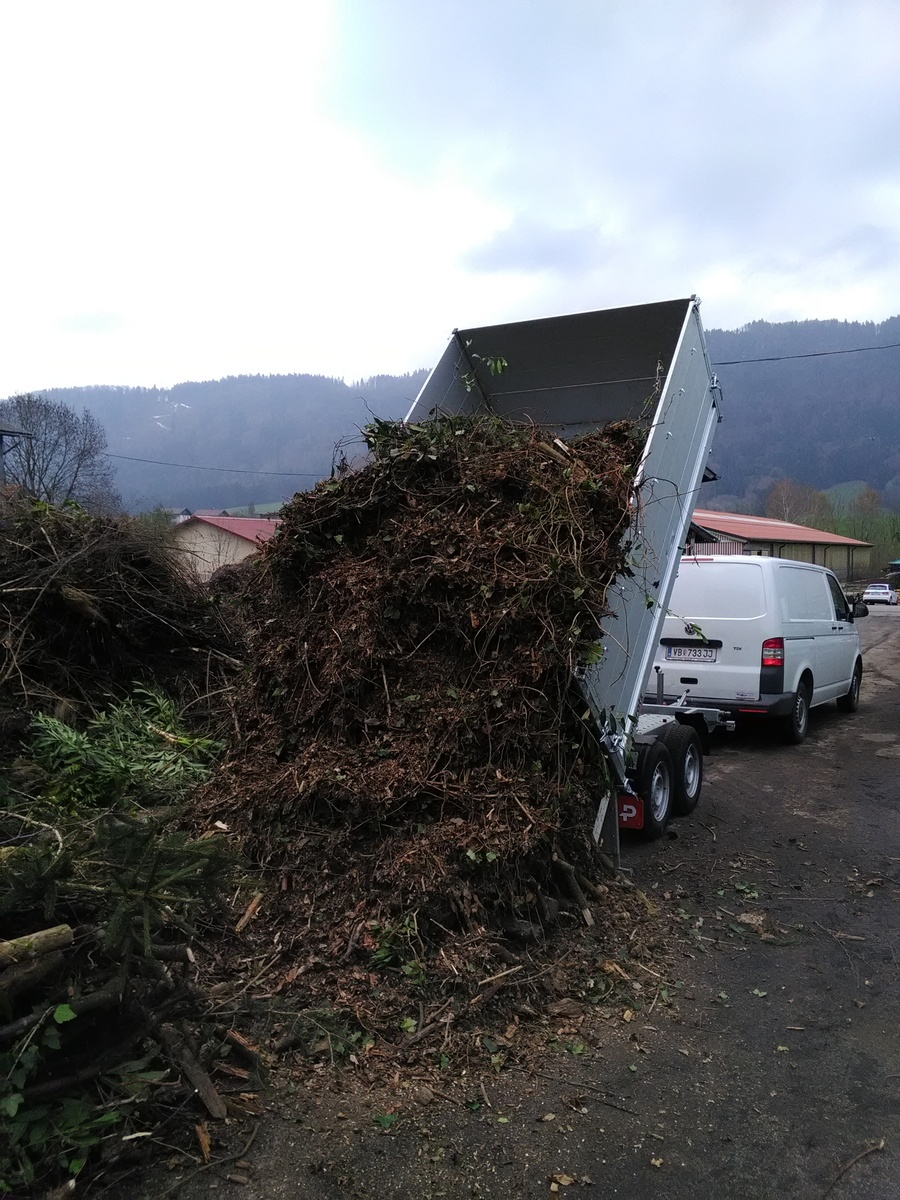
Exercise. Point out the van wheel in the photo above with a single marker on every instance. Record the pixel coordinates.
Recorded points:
(850, 702)
(797, 724)
(686, 750)
(653, 783)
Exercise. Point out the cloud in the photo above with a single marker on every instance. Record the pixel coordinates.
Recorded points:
(737, 141)
(90, 323)
(529, 246)
(219, 188)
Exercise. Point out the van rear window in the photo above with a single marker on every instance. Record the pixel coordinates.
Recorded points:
(712, 589)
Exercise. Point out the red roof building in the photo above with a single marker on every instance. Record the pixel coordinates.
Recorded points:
(736, 533)
(214, 541)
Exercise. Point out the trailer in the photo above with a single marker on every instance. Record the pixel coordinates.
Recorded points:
(646, 363)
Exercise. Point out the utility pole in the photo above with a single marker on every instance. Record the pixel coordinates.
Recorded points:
(8, 439)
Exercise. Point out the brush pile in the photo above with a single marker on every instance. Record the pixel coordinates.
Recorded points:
(90, 605)
(101, 891)
(411, 757)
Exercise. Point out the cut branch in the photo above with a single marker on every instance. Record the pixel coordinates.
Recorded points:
(33, 945)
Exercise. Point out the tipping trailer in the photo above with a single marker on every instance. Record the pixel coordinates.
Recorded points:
(646, 363)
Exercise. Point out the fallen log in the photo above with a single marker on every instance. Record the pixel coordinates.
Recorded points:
(33, 945)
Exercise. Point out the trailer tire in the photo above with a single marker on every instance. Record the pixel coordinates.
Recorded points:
(684, 745)
(654, 778)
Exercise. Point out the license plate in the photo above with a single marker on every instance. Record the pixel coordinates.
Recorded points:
(691, 653)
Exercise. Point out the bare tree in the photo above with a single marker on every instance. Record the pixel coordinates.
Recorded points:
(865, 515)
(65, 457)
(800, 504)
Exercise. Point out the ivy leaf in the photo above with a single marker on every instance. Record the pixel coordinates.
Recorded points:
(63, 1013)
(9, 1104)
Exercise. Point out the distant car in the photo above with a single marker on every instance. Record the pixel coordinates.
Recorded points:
(879, 593)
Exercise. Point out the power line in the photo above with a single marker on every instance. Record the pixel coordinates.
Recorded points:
(228, 470)
(734, 362)
(737, 362)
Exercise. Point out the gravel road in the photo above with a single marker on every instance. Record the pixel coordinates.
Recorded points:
(774, 1071)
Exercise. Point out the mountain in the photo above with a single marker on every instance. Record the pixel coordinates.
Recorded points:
(826, 419)
(251, 423)
(793, 407)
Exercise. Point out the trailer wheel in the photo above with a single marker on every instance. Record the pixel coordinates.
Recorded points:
(653, 783)
(683, 744)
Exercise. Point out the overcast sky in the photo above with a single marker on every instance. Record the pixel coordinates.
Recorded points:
(195, 189)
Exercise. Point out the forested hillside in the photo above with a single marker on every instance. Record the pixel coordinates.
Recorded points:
(823, 420)
(264, 423)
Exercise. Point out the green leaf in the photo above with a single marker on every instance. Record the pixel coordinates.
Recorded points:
(385, 1120)
(63, 1013)
(110, 1118)
(50, 1037)
(9, 1104)
(408, 1025)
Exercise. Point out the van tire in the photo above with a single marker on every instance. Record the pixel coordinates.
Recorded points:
(686, 750)
(850, 702)
(654, 778)
(796, 725)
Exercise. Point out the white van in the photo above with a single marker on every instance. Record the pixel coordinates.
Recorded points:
(759, 636)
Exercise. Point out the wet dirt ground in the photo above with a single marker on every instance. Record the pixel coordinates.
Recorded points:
(769, 1066)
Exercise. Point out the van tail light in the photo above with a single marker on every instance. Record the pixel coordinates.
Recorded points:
(773, 652)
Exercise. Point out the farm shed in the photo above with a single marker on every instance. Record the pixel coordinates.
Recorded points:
(736, 533)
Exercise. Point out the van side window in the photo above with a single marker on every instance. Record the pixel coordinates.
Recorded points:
(841, 607)
(806, 595)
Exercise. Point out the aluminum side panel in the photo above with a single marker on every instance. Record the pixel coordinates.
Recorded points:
(675, 456)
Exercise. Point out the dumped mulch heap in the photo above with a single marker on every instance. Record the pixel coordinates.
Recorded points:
(90, 605)
(412, 768)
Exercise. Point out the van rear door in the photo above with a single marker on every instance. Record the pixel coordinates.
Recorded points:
(712, 639)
